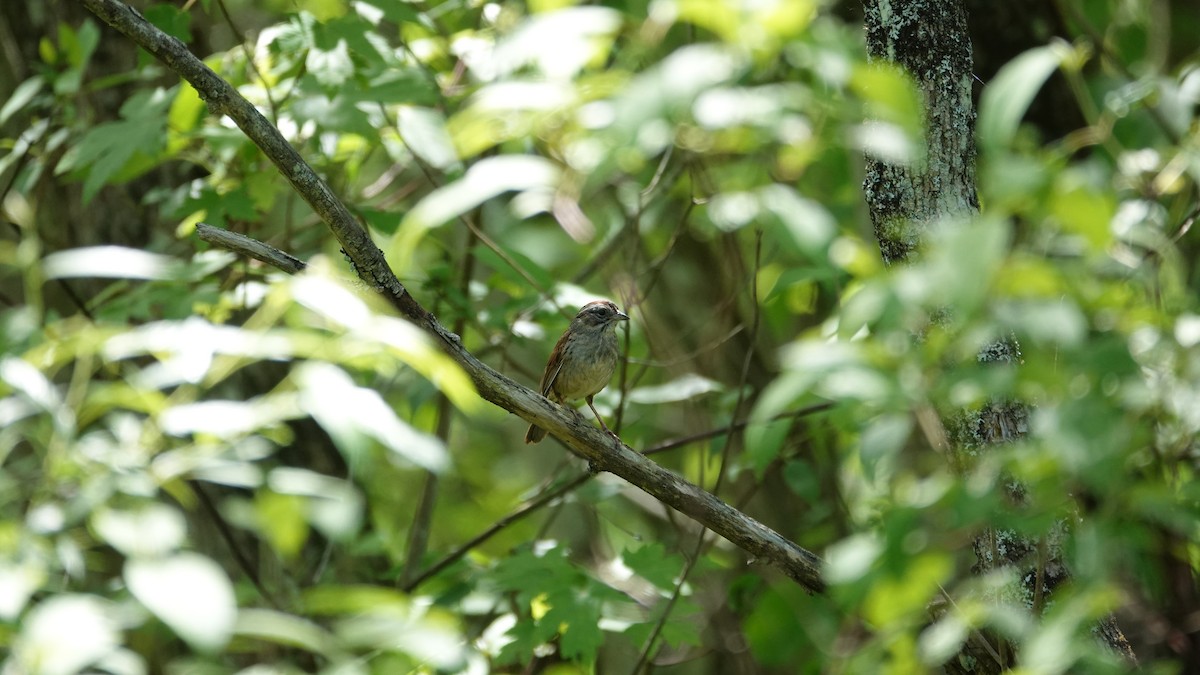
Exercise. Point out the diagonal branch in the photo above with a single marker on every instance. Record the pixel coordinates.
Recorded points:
(602, 451)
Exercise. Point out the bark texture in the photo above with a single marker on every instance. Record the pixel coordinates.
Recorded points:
(929, 39)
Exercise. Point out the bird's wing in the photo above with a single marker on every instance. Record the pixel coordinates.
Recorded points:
(555, 365)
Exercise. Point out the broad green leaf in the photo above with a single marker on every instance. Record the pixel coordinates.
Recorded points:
(882, 439)
(111, 146)
(653, 563)
(396, 11)
(340, 113)
(428, 637)
(1004, 101)
(171, 19)
(188, 592)
(185, 114)
(808, 223)
(282, 520)
(891, 96)
(399, 338)
(891, 599)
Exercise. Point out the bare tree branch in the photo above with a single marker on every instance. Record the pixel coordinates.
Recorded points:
(249, 247)
(602, 451)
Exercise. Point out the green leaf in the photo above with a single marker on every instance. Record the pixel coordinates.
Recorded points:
(21, 96)
(399, 85)
(170, 19)
(20, 582)
(331, 67)
(772, 630)
(882, 439)
(941, 641)
(282, 520)
(890, 95)
(338, 113)
(559, 43)
(578, 621)
(109, 147)
(1004, 101)
(188, 592)
(653, 563)
(397, 11)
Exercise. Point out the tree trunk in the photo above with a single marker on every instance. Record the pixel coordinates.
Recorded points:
(929, 40)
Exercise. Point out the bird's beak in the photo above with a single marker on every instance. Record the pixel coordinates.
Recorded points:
(622, 316)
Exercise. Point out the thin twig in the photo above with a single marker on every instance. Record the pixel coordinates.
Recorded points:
(248, 246)
(514, 516)
(227, 534)
(250, 60)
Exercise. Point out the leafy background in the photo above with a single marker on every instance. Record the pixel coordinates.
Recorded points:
(208, 466)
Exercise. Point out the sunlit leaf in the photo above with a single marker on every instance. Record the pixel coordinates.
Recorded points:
(65, 634)
(942, 640)
(680, 389)
(190, 593)
(20, 97)
(285, 629)
(18, 583)
(850, 559)
(424, 132)
(353, 414)
(335, 507)
(155, 529)
(112, 262)
(559, 43)
(228, 419)
(486, 179)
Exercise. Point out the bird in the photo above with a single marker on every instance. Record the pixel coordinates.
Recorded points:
(583, 360)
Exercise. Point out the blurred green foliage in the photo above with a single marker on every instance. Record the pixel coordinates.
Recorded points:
(206, 466)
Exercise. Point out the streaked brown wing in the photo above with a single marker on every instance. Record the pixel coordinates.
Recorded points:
(554, 365)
